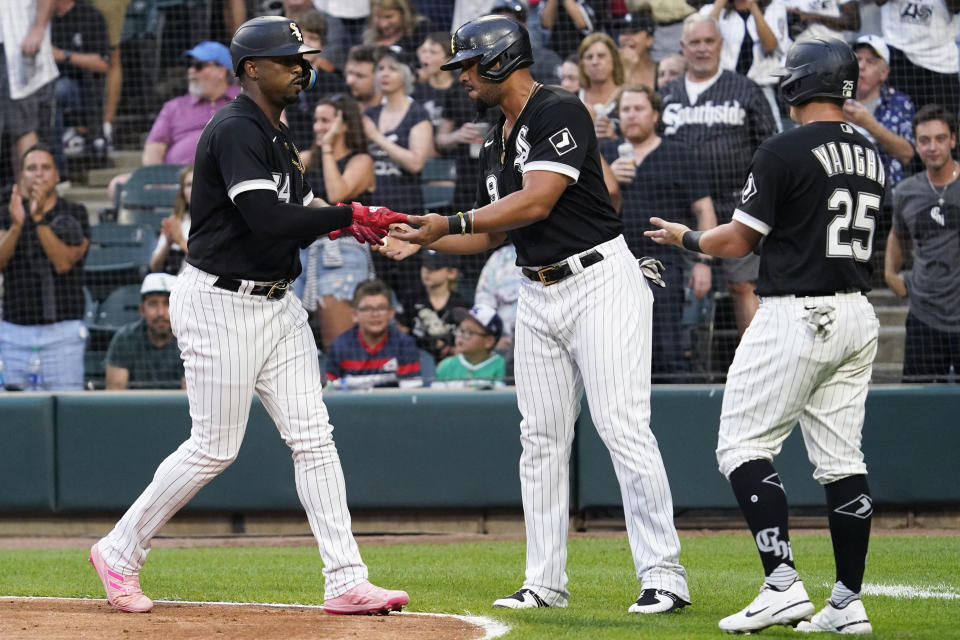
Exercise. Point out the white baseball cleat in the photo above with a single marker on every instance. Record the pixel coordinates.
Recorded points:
(657, 601)
(770, 608)
(851, 619)
(523, 599)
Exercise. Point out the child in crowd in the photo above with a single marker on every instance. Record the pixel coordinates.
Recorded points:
(475, 364)
(373, 353)
(424, 313)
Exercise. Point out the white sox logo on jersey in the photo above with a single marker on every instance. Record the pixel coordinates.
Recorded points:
(768, 541)
(860, 507)
(523, 149)
(563, 141)
(729, 113)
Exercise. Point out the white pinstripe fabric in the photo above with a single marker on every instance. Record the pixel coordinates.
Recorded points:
(591, 332)
(783, 373)
(234, 345)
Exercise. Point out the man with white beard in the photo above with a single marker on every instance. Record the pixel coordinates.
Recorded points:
(174, 134)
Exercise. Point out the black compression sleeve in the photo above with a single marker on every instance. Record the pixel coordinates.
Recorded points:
(267, 216)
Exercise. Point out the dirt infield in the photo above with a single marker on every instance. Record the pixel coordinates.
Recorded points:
(55, 619)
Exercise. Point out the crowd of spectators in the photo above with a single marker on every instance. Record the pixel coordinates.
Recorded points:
(681, 94)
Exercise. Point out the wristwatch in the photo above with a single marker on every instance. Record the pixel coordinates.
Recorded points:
(705, 260)
(67, 54)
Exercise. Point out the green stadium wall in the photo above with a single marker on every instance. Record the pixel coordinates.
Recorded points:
(80, 452)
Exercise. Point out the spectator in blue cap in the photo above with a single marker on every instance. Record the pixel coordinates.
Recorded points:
(174, 135)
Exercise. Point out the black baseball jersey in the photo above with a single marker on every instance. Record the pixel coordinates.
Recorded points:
(725, 126)
(553, 133)
(240, 150)
(814, 193)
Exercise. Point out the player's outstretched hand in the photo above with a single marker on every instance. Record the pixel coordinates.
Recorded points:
(378, 217)
(429, 228)
(361, 233)
(668, 232)
(395, 248)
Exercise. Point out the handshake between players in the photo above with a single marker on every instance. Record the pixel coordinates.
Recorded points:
(371, 224)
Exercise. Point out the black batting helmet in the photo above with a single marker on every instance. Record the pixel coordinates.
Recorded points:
(819, 68)
(493, 39)
(265, 37)
(511, 8)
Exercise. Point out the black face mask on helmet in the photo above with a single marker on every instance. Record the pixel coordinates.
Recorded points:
(501, 44)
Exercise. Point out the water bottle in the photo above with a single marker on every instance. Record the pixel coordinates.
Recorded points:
(34, 376)
(28, 68)
(3, 381)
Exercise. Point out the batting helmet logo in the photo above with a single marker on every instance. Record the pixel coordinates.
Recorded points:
(296, 31)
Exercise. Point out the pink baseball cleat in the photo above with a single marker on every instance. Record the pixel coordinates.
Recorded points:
(367, 598)
(123, 592)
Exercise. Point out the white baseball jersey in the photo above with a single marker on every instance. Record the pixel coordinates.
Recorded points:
(590, 332)
(235, 343)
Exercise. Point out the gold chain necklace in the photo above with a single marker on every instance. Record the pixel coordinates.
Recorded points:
(297, 162)
(503, 131)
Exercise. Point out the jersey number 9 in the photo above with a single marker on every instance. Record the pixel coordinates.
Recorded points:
(859, 216)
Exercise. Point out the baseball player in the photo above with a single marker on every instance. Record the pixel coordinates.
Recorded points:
(241, 333)
(812, 195)
(583, 315)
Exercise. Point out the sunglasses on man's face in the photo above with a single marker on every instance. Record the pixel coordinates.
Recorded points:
(197, 65)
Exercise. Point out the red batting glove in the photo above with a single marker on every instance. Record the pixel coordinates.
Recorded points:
(377, 217)
(360, 233)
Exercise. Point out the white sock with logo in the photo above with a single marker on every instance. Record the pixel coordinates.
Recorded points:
(782, 577)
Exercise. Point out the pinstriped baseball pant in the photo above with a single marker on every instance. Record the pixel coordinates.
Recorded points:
(591, 332)
(234, 345)
(784, 372)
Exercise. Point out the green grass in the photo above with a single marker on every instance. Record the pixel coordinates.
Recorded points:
(465, 578)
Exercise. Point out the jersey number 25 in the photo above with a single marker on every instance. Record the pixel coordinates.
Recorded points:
(857, 215)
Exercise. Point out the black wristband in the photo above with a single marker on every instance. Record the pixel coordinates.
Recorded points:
(454, 223)
(691, 241)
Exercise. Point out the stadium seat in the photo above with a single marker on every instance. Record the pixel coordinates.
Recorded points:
(89, 307)
(150, 194)
(428, 368)
(438, 180)
(119, 254)
(94, 369)
(120, 308)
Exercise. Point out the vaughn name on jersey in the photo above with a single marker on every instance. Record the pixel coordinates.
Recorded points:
(814, 193)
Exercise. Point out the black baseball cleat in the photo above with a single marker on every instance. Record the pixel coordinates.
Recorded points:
(523, 599)
(657, 601)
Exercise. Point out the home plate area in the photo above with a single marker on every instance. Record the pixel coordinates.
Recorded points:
(71, 619)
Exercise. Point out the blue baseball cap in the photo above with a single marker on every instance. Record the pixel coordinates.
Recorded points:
(210, 51)
(484, 315)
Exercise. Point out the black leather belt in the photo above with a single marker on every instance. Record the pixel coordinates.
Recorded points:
(557, 272)
(817, 294)
(273, 290)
